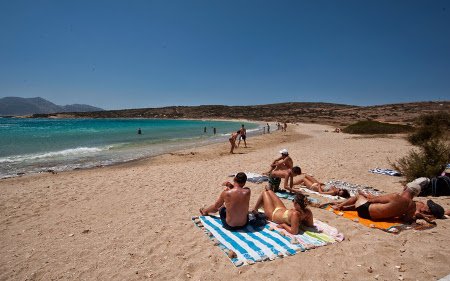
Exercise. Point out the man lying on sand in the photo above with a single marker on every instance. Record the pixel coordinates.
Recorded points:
(232, 204)
(393, 205)
(314, 185)
(289, 219)
(288, 176)
(283, 162)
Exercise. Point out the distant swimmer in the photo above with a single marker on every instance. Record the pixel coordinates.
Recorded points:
(214, 130)
(204, 130)
(139, 131)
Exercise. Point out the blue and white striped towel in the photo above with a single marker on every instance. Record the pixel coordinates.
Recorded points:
(262, 244)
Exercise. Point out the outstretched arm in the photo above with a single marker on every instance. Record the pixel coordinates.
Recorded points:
(349, 202)
(289, 179)
(214, 207)
(427, 218)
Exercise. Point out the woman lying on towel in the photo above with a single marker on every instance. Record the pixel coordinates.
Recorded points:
(289, 219)
(314, 185)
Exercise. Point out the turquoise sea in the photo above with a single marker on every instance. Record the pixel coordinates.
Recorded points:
(37, 145)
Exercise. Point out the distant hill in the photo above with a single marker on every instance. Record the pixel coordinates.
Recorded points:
(325, 113)
(27, 106)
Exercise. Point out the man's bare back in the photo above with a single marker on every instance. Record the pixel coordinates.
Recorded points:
(237, 200)
(390, 206)
(232, 203)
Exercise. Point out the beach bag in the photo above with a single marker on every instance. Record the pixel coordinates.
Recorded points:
(439, 186)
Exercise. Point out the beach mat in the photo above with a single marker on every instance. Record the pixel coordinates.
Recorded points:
(388, 172)
(251, 244)
(388, 225)
(332, 197)
(290, 196)
(353, 188)
(254, 177)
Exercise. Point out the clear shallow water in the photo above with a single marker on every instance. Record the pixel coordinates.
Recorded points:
(36, 145)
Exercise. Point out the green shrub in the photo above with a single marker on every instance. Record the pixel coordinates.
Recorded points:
(375, 127)
(431, 126)
(429, 161)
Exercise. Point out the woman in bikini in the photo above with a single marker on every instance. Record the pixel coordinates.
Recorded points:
(314, 185)
(289, 219)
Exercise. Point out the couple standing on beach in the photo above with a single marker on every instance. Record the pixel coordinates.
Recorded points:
(242, 133)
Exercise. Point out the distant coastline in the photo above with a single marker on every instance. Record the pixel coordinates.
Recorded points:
(323, 113)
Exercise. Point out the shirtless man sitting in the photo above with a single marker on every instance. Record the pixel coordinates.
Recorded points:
(284, 162)
(288, 176)
(393, 205)
(232, 204)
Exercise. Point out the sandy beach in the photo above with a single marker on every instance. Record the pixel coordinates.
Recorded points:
(133, 221)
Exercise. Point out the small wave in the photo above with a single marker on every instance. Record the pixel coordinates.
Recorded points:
(66, 152)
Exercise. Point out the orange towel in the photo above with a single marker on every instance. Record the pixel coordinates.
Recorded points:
(390, 225)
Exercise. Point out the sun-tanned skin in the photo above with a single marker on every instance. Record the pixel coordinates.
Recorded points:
(288, 176)
(284, 162)
(313, 184)
(236, 198)
(389, 206)
(232, 140)
(297, 216)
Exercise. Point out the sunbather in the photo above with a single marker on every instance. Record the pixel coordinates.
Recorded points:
(283, 162)
(289, 219)
(314, 185)
(232, 204)
(288, 176)
(392, 205)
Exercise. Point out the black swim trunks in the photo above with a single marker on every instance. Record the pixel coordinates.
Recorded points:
(243, 137)
(223, 218)
(274, 183)
(363, 211)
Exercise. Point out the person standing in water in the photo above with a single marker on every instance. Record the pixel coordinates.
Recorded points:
(139, 131)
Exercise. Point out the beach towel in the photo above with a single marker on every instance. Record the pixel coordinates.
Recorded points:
(254, 177)
(354, 188)
(388, 172)
(266, 243)
(332, 197)
(388, 225)
(289, 196)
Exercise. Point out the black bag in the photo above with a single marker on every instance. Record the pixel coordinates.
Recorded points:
(438, 186)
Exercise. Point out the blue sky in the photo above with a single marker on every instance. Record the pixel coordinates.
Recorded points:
(133, 54)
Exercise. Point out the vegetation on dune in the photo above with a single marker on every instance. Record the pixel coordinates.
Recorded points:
(431, 137)
(428, 162)
(431, 126)
(375, 127)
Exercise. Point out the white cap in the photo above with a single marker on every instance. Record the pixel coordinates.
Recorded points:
(284, 151)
